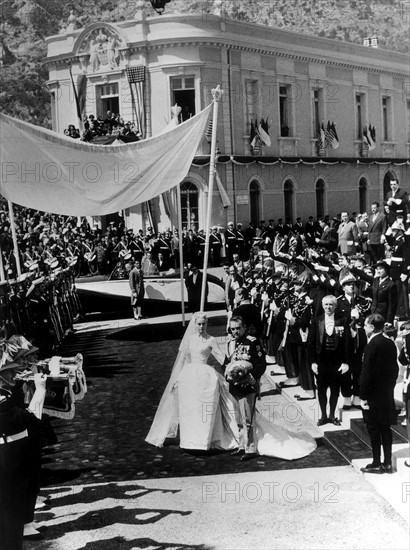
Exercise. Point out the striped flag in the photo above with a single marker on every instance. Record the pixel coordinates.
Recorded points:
(321, 140)
(365, 142)
(256, 142)
(136, 77)
(334, 139)
(328, 136)
(371, 137)
(263, 131)
(80, 95)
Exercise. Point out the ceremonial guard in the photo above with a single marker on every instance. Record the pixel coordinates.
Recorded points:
(20, 449)
(215, 246)
(395, 246)
(243, 248)
(355, 308)
(163, 245)
(200, 247)
(295, 312)
(231, 242)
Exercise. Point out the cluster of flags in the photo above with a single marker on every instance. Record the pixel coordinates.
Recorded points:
(369, 139)
(326, 136)
(259, 135)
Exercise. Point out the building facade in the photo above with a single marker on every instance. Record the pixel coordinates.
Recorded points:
(292, 81)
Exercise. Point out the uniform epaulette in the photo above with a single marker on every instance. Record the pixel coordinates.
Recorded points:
(251, 338)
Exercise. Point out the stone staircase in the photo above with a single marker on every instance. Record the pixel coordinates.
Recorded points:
(351, 440)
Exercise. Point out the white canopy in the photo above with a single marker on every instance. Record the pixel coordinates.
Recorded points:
(47, 171)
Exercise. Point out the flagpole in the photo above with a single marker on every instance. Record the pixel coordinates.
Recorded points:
(14, 236)
(181, 254)
(216, 95)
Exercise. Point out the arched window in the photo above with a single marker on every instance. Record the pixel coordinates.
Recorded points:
(189, 205)
(320, 198)
(288, 199)
(254, 200)
(362, 195)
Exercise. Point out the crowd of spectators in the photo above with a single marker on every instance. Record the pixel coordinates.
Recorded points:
(111, 125)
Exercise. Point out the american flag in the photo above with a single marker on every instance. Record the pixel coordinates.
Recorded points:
(136, 74)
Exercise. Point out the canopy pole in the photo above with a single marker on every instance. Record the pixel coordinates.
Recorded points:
(216, 95)
(181, 253)
(14, 236)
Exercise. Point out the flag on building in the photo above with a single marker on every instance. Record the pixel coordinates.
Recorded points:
(222, 192)
(321, 140)
(256, 142)
(136, 79)
(263, 130)
(79, 94)
(365, 142)
(334, 139)
(371, 137)
(328, 137)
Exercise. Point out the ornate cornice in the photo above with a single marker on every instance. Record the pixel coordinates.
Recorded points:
(189, 43)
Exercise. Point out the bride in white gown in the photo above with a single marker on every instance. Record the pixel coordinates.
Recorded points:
(197, 399)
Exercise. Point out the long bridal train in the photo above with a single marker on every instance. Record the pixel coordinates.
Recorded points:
(196, 399)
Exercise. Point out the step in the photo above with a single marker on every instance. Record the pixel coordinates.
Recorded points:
(348, 444)
(358, 427)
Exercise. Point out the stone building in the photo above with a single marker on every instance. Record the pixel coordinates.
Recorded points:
(294, 82)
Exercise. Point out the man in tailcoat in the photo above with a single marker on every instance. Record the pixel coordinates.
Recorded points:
(379, 373)
(348, 235)
(329, 344)
(384, 293)
(377, 228)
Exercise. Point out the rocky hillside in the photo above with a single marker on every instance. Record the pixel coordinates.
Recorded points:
(25, 23)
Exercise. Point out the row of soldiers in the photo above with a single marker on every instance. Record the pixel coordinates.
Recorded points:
(288, 289)
(43, 309)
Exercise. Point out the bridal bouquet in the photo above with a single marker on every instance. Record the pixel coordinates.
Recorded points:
(238, 373)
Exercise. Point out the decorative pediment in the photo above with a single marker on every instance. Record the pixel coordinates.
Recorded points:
(100, 47)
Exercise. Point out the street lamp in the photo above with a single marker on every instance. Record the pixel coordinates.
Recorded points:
(159, 5)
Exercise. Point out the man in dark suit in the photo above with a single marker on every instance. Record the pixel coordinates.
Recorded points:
(379, 373)
(310, 231)
(327, 239)
(328, 345)
(397, 200)
(193, 283)
(377, 228)
(384, 293)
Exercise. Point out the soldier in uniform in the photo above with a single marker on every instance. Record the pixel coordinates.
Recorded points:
(215, 246)
(247, 349)
(20, 454)
(231, 242)
(243, 249)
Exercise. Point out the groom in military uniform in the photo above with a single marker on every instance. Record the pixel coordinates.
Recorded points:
(245, 388)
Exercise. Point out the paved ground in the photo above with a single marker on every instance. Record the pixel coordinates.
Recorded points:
(110, 490)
